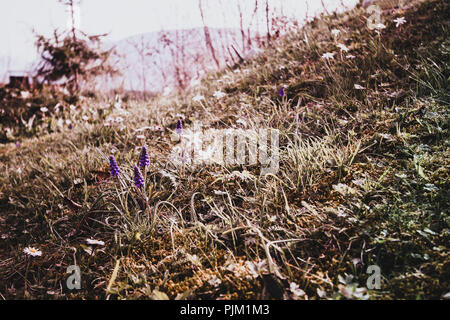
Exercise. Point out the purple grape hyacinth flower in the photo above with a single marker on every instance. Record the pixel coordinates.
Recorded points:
(179, 127)
(282, 92)
(113, 167)
(144, 160)
(138, 179)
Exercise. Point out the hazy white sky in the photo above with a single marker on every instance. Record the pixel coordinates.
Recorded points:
(124, 18)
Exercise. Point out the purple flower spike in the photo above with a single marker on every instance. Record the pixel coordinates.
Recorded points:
(144, 160)
(282, 92)
(113, 167)
(138, 179)
(179, 127)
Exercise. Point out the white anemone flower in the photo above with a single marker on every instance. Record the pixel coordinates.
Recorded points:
(25, 94)
(399, 21)
(335, 32)
(198, 98)
(328, 56)
(380, 26)
(214, 281)
(343, 47)
(219, 94)
(32, 252)
(295, 289)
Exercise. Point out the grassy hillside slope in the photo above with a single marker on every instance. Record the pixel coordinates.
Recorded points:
(363, 178)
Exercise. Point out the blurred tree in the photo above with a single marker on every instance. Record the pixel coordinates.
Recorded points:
(71, 56)
(208, 39)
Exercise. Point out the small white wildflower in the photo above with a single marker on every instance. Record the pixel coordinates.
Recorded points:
(44, 109)
(95, 242)
(85, 118)
(219, 94)
(344, 189)
(72, 107)
(214, 281)
(68, 122)
(359, 182)
(335, 32)
(255, 268)
(194, 259)
(25, 94)
(399, 21)
(32, 251)
(241, 271)
(380, 26)
(198, 98)
(343, 47)
(252, 269)
(328, 55)
(350, 56)
(295, 289)
(359, 87)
